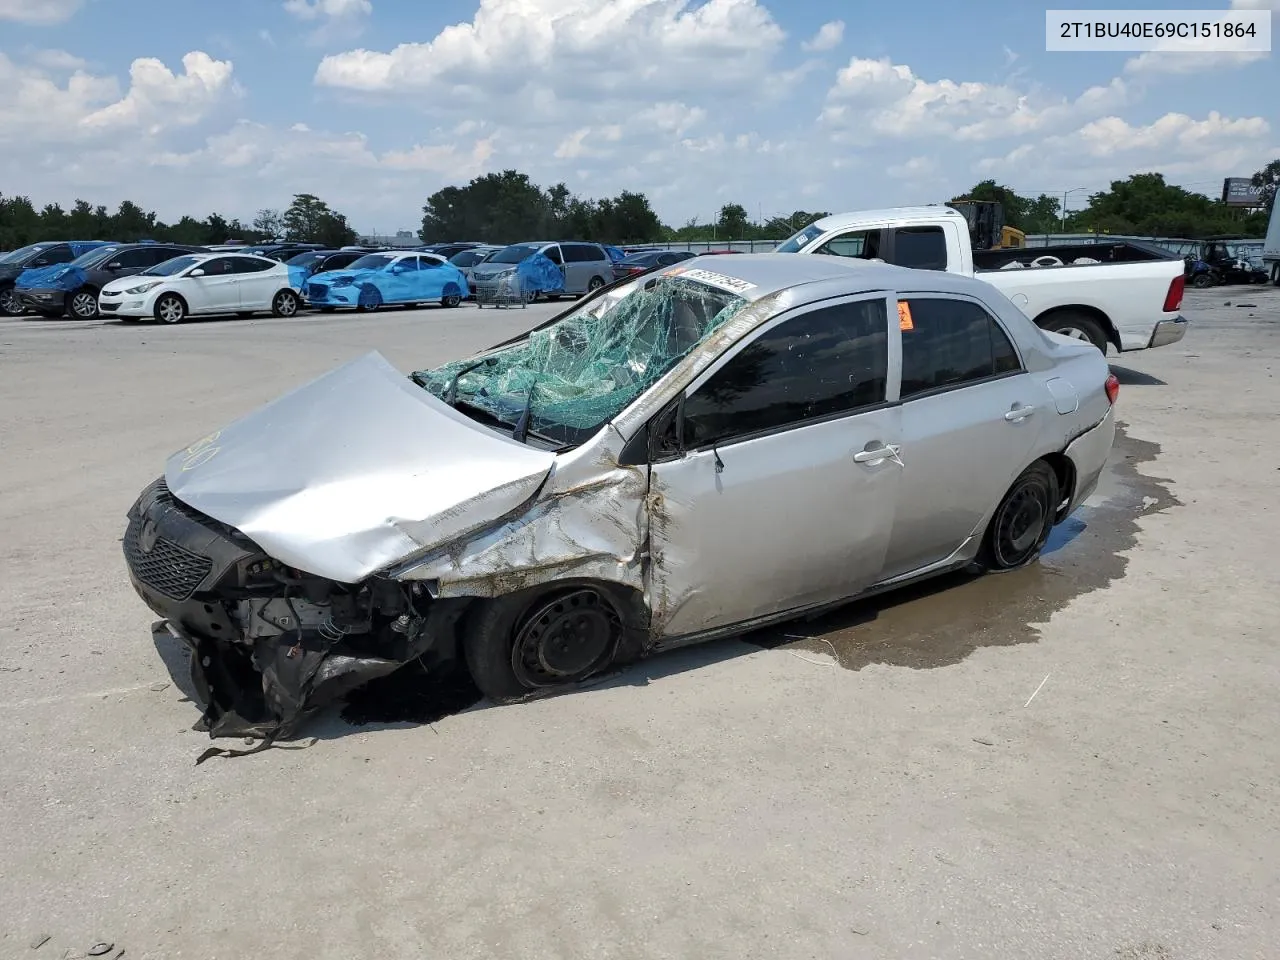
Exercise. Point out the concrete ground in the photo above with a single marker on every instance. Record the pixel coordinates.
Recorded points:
(1077, 760)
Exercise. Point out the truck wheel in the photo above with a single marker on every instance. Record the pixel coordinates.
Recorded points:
(1078, 327)
(1202, 280)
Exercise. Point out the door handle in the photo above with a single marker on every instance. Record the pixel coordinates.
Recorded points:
(1019, 413)
(877, 454)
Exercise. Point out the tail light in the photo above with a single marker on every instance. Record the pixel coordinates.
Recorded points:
(1112, 388)
(1173, 299)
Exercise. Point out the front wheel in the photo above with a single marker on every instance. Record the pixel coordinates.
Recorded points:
(83, 304)
(452, 297)
(9, 304)
(1021, 524)
(1077, 327)
(370, 299)
(170, 309)
(517, 645)
(284, 304)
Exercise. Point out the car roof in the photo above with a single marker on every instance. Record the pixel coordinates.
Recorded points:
(770, 272)
(202, 257)
(902, 215)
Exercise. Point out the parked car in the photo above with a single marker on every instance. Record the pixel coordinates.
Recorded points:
(718, 253)
(306, 265)
(466, 260)
(640, 262)
(1130, 300)
(377, 279)
(689, 454)
(281, 252)
(583, 267)
(32, 257)
(202, 284)
(72, 289)
(447, 250)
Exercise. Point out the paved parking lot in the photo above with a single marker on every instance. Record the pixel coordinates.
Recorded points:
(1076, 760)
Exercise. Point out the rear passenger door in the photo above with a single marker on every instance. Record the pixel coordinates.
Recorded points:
(970, 419)
(257, 280)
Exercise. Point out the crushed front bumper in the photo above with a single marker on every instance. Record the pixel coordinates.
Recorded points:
(43, 300)
(1169, 331)
(209, 583)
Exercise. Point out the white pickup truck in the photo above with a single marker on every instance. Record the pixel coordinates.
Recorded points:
(1123, 294)
(1271, 246)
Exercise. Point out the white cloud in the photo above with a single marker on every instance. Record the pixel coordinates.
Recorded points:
(57, 60)
(1178, 56)
(1111, 148)
(829, 36)
(33, 106)
(573, 48)
(915, 168)
(39, 13)
(338, 9)
(872, 99)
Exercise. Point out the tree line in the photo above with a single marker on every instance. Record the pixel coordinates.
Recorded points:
(507, 207)
(307, 219)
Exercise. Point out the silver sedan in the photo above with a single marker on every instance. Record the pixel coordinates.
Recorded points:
(701, 450)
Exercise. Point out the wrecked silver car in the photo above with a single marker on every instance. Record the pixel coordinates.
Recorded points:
(688, 454)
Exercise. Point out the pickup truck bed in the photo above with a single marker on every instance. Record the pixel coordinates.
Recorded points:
(1128, 298)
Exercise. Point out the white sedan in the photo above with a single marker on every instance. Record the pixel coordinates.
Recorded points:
(201, 284)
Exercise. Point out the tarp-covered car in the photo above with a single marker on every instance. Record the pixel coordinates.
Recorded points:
(72, 288)
(385, 278)
(722, 444)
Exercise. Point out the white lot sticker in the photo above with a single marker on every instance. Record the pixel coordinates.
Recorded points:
(732, 284)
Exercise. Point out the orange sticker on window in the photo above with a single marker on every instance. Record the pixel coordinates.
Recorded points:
(904, 316)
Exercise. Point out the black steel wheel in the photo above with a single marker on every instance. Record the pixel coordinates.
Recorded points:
(370, 298)
(517, 646)
(1023, 520)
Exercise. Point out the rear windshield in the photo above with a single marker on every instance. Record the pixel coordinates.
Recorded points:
(579, 373)
(798, 241)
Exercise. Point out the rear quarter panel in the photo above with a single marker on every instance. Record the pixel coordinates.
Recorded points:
(1130, 295)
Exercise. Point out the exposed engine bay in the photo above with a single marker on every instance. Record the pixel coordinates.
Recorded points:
(245, 616)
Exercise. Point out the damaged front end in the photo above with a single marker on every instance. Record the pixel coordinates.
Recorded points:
(270, 644)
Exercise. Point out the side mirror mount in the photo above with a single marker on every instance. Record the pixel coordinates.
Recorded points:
(197, 272)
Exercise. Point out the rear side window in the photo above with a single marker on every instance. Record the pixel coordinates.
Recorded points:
(948, 343)
(923, 248)
(251, 265)
(553, 254)
(824, 362)
(58, 254)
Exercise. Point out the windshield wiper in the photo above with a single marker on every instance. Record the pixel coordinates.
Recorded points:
(521, 432)
(450, 394)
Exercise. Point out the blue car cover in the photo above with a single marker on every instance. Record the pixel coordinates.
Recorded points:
(374, 287)
(614, 253)
(538, 274)
(59, 276)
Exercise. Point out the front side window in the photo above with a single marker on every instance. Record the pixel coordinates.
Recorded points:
(218, 267)
(923, 248)
(132, 259)
(948, 343)
(553, 254)
(58, 254)
(858, 244)
(829, 361)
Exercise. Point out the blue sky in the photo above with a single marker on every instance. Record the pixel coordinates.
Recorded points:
(374, 104)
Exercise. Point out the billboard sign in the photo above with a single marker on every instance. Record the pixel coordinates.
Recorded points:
(1240, 192)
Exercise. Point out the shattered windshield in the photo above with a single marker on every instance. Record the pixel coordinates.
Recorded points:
(798, 241)
(577, 374)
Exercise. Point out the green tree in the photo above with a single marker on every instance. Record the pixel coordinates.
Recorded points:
(1268, 178)
(311, 220)
(1145, 205)
(733, 221)
(268, 224)
(498, 207)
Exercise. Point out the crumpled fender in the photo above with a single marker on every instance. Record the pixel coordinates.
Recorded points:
(298, 277)
(537, 274)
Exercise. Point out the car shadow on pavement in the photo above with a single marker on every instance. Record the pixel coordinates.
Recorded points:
(1129, 377)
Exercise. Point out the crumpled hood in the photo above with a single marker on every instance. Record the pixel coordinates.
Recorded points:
(355, 471)
(346, 278)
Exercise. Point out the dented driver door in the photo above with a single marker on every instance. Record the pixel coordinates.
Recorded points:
(781, 487)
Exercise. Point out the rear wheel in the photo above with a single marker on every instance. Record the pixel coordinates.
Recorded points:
(1202, 280)
(1021, 524)
(83, 304)
(284, 304)
(595, 284)
(170, 308)
(523, 644)
(1078, 327)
